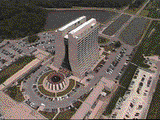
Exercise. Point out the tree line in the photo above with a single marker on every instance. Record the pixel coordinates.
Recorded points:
(17, 19)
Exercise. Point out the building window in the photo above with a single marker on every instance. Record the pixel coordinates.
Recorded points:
(131, 105)
(136, 114)
(139, 107)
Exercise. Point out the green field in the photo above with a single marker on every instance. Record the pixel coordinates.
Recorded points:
(15, 67)
(15, 93)
(66, 114)
(127, 76)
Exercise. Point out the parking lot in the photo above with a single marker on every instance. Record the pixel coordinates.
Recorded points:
(116, 25)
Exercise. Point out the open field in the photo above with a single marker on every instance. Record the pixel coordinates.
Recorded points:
(13, 68)
(133, 32)
(116, 25)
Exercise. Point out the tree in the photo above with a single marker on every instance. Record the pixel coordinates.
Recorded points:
(33, 38)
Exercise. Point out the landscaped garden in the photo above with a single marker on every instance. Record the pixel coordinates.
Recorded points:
(15, 67)
(15, 93)
(45, 92)
(40, 81)
(69, 88)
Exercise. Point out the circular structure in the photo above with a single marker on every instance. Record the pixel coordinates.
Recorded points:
(54, 82)
(55, 77)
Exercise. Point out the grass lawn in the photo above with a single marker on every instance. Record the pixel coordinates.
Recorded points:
(66, 114)
(45, 92)
(69, 88)
(127, 76)
(102, 40)
(77, 104)
(112, 104)
(48, 115)
(40, 81)
(15, 93)
(15, 67)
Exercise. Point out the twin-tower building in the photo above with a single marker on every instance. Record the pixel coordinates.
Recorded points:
(81, 38)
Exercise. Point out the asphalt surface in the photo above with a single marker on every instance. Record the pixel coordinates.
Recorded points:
(116, 25)
(134, 31)
(67, 101)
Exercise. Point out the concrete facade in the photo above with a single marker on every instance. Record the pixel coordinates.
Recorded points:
(60, 33)
(83, 47)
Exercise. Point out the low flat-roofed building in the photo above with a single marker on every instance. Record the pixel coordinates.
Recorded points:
(43, 52)
(96, 110)
(30, 66)
(82, 111)
(86, 106)
(108, 83)
(95, 93)
(41, 56)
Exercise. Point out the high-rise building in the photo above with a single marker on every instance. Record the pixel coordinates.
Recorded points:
(83, 47)
(60, 45)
